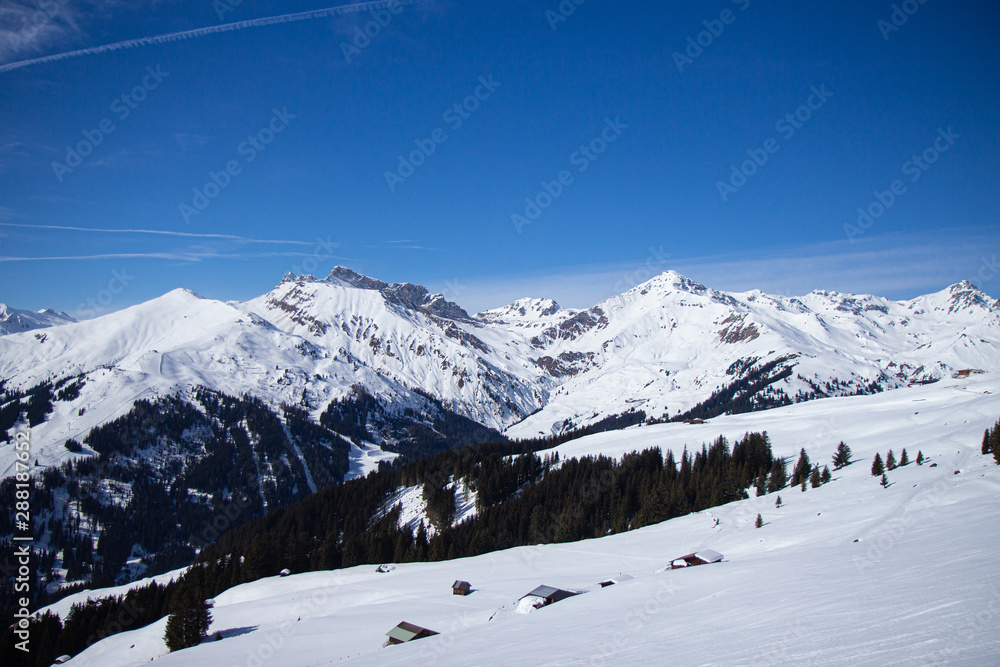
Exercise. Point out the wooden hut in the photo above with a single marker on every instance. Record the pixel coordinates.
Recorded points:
(461, 588)
(703, 557)
(547, 595)
(407, 632)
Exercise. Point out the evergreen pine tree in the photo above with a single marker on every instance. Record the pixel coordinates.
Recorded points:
(188, 624)
(842, 457)
(985, 449)
(804, 480)
(778, 477)
(885, 481)
(777, 503)
(877, 466)
(814, 478)
(825, 476)
(761, 485)
(920, 458)
(904, 459)
(995, 442)
(890, 461)
(801, 471)
(759, 522)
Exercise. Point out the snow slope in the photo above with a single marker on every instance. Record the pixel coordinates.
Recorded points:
(849, 573)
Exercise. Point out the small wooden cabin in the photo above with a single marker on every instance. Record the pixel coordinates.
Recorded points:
(549, 594)
(616, 580)
(461, 588)
(703, 557)
(407, 632)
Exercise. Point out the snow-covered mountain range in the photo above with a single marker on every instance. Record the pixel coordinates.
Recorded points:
(13, 320)
(530, 368)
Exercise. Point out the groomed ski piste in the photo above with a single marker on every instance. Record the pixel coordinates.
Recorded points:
(849, 573)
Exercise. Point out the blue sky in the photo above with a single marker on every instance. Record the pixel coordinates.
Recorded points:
(622, 124)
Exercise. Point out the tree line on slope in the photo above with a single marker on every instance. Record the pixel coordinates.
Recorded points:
(526, 500)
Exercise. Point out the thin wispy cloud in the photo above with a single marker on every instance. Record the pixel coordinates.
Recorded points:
(179, 256)
(210, 30)
(30, 28)
(225, 237)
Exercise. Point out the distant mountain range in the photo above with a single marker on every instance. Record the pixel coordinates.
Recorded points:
(19, 321)
(665, 348)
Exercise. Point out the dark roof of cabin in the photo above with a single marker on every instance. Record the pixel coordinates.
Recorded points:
(550, 593)
(404, 632)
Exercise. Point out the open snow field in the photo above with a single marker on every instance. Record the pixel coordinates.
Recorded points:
(846, 574)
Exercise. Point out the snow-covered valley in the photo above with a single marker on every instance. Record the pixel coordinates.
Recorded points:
(847, 573)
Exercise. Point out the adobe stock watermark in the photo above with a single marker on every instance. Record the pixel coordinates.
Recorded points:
(788, 650)
(988, 270)
(443, 644)
(223, 7)
(636, 621)
(657, 260)
(696, 44)
(249, 149)
(122, 107)
(381, 18)
(323, 250)
(562, 13)
(23, 536)
(47, 10)
(224, 519)
(786, 126)
(306, 606)
(894, 530)
(581, 158)
(900, 15)
(914, 168)
(96, 304)
(454, 116)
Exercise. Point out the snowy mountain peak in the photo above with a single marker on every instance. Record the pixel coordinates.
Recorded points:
(13, 320)
(961, 298)
(966, 295)
(526, 309)
(341, 275)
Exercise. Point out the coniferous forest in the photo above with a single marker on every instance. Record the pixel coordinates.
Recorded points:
(522, 499)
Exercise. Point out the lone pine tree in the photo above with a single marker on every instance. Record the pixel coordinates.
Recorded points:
(759, 522)
(890, 460)
(877, 466)
(188, 624)
(842, 457)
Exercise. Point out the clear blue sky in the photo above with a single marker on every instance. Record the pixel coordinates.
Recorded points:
(650, 201)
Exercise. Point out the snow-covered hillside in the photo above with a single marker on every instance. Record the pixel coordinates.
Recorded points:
(847, 573)
(531, 368)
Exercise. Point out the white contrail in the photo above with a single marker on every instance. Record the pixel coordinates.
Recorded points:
(230, 237)
(211, 30)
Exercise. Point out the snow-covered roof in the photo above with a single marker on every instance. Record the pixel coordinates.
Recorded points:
(708, 555)
(550, 593)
